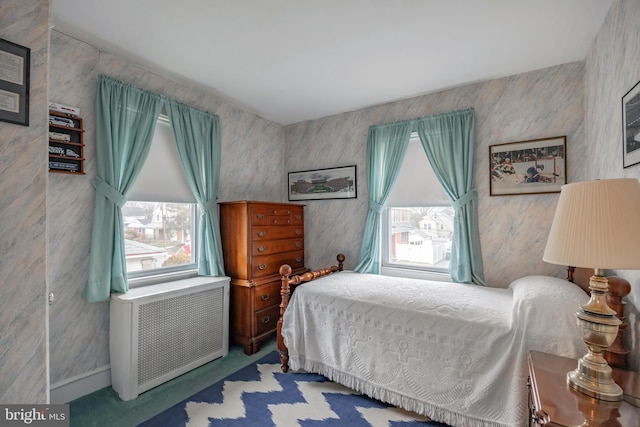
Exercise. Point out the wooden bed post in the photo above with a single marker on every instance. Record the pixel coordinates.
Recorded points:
(617, 355)
(285, 293)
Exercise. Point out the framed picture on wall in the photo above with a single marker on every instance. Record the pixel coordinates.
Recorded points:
(14, 83)
(528, 167)
(319, 184)
(631, 127)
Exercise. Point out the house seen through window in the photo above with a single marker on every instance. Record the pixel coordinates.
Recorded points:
(160, 216)
(420, 237)
(157, 235)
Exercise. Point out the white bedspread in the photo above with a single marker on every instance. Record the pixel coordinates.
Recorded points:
(453, 352)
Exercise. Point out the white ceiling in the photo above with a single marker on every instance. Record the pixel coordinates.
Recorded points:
(296, 60)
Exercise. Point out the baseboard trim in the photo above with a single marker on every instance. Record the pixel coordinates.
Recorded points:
(72, 388)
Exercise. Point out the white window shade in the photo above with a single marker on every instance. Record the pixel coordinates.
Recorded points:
(162, 177)
(416, 184)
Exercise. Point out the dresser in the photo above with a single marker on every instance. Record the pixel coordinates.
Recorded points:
(257, 238)
(553, 403)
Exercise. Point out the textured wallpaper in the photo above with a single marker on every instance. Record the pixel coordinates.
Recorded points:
(612, 68)
(23, 198)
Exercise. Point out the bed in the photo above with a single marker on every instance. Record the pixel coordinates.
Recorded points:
(453, 352)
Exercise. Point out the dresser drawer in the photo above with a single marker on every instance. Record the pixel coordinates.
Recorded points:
(280, 211)
(267, 319)
(259, 215)
(265, 265)
(280, 220)
(267, 295)
(268, 247)
(272, 233)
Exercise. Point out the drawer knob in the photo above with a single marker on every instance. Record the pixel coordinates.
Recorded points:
(298, 216)
(265, 297)
(298, 259)
(298, 232)
(260, 233)
(260, 216)
(262, 267)
(266, 319)
(298, 244)
(262, 249)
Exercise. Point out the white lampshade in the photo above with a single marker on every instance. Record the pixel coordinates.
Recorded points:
(597, 225)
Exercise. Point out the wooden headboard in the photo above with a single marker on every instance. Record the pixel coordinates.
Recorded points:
(617, 354)
(288, 285)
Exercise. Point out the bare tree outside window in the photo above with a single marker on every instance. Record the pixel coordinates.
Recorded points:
(157, 234)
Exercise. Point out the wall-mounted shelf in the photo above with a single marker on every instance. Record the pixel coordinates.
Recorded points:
(66, 143)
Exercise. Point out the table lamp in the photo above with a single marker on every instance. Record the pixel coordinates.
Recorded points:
(596, 225)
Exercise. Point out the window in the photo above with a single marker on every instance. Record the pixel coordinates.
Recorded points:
(410, 245)
(158, 236)
(160, 216)
(418, 217)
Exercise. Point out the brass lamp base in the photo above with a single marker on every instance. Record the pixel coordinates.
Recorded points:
(598, 327)
(594, 379)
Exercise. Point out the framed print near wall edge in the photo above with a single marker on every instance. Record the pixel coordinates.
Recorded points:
(528, 167)
(631, 127)
(14, 83)
(322, 184)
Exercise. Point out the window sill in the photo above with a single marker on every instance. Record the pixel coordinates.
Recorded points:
(155, 279)
(415, 274)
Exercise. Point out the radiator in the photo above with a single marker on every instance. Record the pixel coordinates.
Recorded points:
(161, 331)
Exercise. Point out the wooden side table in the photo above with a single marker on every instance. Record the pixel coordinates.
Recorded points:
(553, 403)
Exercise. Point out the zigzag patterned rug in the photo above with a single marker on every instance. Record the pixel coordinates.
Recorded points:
(260, 395)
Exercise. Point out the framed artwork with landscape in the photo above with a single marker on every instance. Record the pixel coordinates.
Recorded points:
(528, 167)
(319, 184)
(631, 127)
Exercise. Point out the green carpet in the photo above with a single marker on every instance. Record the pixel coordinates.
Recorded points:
(104, 407)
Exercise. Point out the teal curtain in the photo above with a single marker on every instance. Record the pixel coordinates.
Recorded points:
(125, 122)
(197, 135)
(449, 141)
(386, 147)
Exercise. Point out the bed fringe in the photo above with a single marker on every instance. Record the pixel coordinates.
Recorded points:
(423, 408)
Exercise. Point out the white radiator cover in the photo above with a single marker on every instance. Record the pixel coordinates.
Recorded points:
(159, 332)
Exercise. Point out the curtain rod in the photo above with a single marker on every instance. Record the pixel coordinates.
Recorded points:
(153, 94)
(412, 121)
